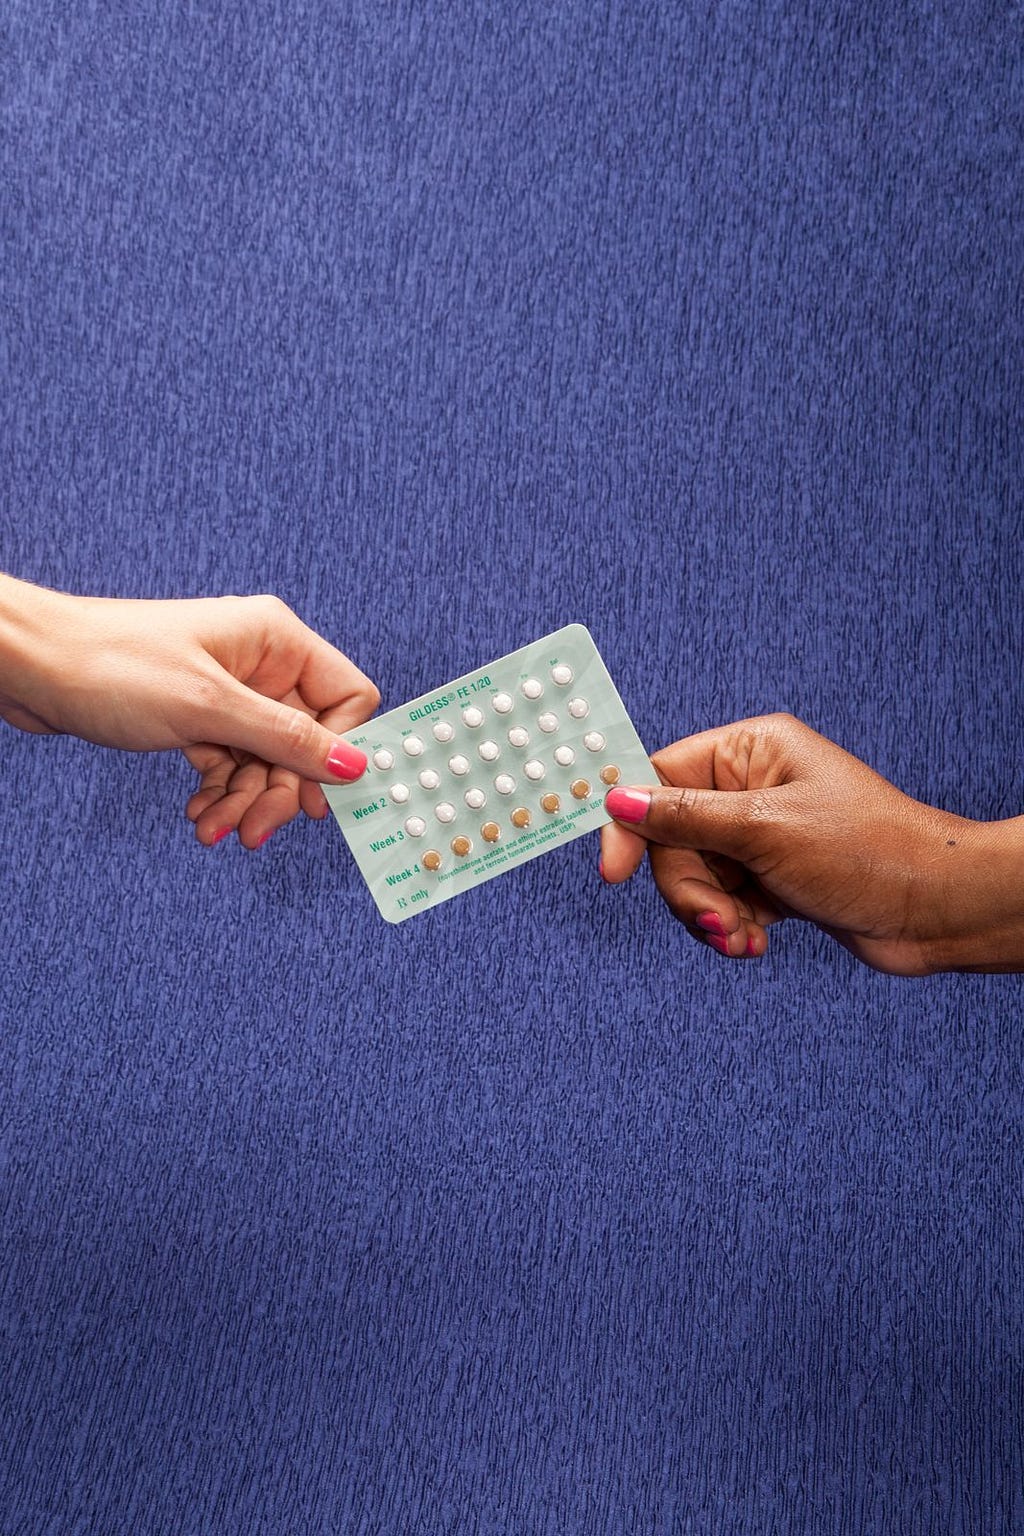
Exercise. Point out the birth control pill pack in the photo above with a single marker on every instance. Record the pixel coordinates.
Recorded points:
(487, 772)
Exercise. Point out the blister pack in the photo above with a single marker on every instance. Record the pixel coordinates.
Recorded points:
(487, 772)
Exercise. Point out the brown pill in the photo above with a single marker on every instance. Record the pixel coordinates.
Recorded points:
(579, 789)
(431, 860)
(490, 831)
(550, 803)
(461, 845)
(610, 775)
(521, 817)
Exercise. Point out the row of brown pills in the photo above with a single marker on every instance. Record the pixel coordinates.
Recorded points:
(520, 818)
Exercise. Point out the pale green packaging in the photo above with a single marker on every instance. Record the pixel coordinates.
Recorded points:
(503, 764)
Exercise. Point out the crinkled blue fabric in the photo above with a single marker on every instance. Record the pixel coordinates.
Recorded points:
(702, 324)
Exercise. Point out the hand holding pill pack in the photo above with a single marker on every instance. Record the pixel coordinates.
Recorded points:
(487, 772)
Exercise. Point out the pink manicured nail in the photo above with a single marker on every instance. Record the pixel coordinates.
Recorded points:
(719, 942)
(751, 948)
(345, 762)
(627, 804)
(219, 836)
(711, 923)
(264, 839)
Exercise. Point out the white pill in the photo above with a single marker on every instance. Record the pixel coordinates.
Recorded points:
(383, 759)
(442, 731)
(415, 826)
(399, 793)
(565, 757)
(532, 688)
(593, 741)
(548, 722)
(518, 736)
(459, 764)
(412, 746)
(504, 783)
(429, 778)
(502, 703)
(562, 675)
(444, 812)
(533, 769)
(489, 751)
(475, 799)
(579, 709)
(472, 717)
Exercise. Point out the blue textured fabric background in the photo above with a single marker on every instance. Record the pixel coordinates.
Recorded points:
(702, 325)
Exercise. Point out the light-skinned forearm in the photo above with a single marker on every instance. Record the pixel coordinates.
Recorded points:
(32, 621)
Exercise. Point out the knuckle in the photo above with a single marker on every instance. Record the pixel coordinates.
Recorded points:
(206, 694)
(785, 727)
(678, 808)
(369, 697)
(757, 808)
(264, 608)
(782, 718)
(297, 731)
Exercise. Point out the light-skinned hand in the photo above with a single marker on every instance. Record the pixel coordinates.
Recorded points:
(252, 697)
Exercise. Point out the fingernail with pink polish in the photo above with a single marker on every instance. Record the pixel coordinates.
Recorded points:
(219, 837)
(711, 923)
(719, 942)
(627, 804)
(345, 762)
(264, 839)
(751, 948)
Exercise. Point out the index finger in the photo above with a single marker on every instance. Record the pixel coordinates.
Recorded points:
(333, 686)
(724, 758)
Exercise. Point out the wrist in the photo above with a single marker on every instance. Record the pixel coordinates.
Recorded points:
(980, 897)
(31, 620)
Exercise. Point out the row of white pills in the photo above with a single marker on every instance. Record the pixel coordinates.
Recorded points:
(518, 736)
(475, 798)
(473, 717)
(489, 751)
(430, 780)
